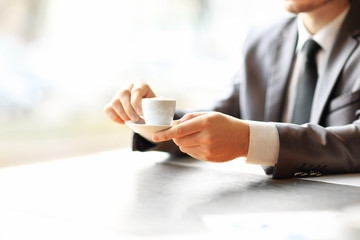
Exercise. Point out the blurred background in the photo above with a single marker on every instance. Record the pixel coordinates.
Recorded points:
(61, 61)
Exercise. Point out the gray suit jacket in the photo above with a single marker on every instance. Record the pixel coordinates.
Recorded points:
(330, 143)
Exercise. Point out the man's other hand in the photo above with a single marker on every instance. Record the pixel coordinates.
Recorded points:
(126, 104)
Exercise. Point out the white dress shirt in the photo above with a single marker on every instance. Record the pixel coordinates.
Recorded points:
(264, 139)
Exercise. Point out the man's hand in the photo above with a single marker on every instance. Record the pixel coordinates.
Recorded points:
(126, 104)
(211, 136)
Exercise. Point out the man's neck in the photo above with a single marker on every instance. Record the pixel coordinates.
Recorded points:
(320, 17)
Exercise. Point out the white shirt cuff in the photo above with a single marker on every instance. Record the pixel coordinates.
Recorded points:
(264, 144)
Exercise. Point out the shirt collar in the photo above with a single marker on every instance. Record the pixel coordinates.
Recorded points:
(325, 37)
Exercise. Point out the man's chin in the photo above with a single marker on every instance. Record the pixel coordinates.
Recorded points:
(292, 7)
(301, 6)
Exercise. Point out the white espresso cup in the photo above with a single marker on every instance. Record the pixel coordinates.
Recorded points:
(158, 110)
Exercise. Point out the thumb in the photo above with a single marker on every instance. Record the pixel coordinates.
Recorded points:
(190, 116)
(176, 122)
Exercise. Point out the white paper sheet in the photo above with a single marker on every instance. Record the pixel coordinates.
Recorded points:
(293, 225)
(343, 179)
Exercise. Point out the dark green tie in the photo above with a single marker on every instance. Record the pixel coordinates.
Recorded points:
(307, 84)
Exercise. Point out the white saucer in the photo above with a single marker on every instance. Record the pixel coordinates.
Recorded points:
(144, 129)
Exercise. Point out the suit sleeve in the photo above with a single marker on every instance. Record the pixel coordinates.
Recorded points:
(312, 150)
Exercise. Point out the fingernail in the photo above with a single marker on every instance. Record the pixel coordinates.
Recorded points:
(155, 138)
(134, 118)
(139, 110)
(176, 122)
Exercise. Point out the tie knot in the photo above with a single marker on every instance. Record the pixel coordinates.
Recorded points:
(311, 48)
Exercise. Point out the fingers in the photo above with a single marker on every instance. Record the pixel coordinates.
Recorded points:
(191, 116)
(187, 117)
(112, 114)
(175, 122)
(180, 130)
(139, 91)
(126, 104)
(189, 140)
(192, 151)
(125, 107)
(199, 152)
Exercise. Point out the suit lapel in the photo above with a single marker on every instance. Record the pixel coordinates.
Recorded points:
(282, 55)
(326, 83)
(344, 46)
